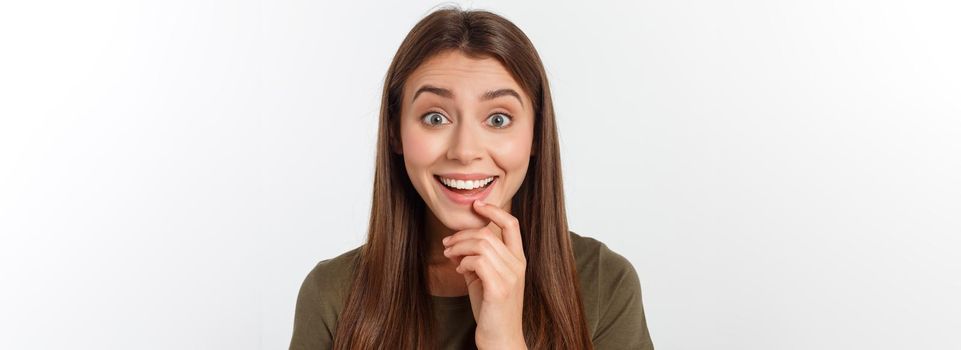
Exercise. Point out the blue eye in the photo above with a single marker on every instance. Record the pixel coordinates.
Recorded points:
(500, 120)
(433, 119)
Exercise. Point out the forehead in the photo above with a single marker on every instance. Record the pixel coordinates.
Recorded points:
(458, 72)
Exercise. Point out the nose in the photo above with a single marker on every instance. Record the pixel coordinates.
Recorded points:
(465, 145)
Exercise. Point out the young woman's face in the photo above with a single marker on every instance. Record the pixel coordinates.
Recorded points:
(465, 118)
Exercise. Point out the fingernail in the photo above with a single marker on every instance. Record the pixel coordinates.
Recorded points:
(480, 203)
(446, 239)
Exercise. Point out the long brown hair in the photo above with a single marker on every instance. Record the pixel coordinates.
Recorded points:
(389, 303)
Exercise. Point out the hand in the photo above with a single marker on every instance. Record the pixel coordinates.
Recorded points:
(493, 264)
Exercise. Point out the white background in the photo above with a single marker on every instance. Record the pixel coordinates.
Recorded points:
(782, 174)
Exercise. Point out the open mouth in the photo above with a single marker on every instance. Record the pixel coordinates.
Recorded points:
(466, 188)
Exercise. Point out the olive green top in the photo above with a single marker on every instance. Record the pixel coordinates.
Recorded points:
(611, 293)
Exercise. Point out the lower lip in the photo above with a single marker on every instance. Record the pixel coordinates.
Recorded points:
(466, 199)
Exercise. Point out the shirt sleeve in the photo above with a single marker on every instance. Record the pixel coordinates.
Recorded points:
(622, 324)
(313, 325)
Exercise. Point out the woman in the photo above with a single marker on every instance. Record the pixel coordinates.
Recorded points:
(468, 245)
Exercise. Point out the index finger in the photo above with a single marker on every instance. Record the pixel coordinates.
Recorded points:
(510, 227)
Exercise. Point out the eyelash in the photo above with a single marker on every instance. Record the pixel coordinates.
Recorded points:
(509, 117)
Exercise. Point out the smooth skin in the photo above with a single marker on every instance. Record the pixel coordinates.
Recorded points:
(493, 266)
(458, 126)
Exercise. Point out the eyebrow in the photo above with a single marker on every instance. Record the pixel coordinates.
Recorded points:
(490, 95)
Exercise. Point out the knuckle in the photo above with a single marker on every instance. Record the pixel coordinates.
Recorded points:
(486, 232)
(478, 234)
(485, 245)
(475, 243)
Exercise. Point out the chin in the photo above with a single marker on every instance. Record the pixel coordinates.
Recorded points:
(463, 220)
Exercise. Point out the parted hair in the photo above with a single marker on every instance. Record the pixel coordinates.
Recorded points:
(388, 306)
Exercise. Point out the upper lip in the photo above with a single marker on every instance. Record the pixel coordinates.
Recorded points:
(465, 177)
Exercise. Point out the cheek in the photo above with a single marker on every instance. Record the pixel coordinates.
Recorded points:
(513, 156)
(420, 149)
(514, 151)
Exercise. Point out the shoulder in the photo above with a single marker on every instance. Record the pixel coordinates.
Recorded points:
(331, 278)
(337, 266)
(594, 256)
(321, 299)
(601, 271)
(611, 294)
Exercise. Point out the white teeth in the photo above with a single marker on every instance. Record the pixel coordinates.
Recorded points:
(466, 184)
